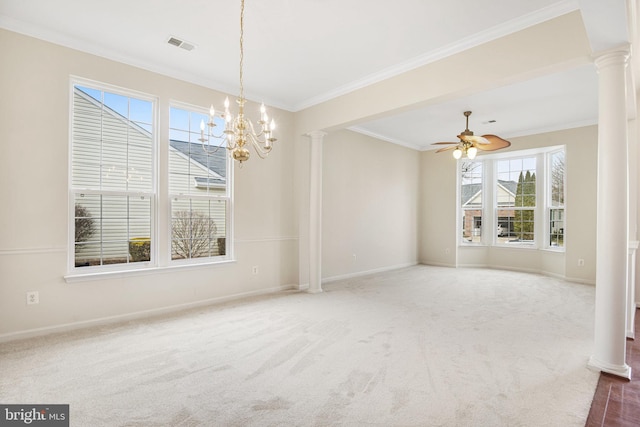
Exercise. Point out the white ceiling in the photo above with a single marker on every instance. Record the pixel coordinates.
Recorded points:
(302, 52)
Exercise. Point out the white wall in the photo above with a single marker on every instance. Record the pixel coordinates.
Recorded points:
(438, 243)
(387, 204)
(438, 220)
(34, 121)
(370, 194)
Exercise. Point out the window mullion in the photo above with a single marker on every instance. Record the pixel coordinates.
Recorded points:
(539, 211)
(488, 188)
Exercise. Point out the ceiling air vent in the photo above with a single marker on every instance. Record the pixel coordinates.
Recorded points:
(174, 41)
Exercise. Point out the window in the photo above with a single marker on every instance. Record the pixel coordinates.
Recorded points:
(471, 201)
(556, 181)
(198, 188)
(114, 185)
(112, 180)
(514, 199)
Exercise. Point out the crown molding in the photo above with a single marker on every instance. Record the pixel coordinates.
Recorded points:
(490, 34)
(553, 11)
(65, 40)
(385, 138)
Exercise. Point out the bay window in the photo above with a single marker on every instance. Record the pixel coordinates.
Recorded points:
(513, 199)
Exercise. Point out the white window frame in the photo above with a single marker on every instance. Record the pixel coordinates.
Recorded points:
(536, 209)
(483, 205)
(489, 202)
(72, 270)
(548, 198)
(160, 250)
(227, 197)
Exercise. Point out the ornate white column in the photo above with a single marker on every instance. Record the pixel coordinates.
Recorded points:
(315, 212)
(613, 211)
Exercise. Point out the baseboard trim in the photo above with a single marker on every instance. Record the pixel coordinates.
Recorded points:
(367, 272)
(67, 327)
(581, 281)
(532, 271)
(443, 264)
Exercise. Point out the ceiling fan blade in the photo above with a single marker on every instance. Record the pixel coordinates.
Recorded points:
(452, 147)
(443, 143)
(474, 139)
(494, 143)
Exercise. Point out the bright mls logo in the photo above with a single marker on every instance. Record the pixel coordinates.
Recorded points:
(34, 415)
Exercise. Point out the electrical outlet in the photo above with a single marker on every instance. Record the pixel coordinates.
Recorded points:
(33, 297)
(580, 262)
(254, 270)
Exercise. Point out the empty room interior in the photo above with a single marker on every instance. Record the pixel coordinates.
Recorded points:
(265, 213)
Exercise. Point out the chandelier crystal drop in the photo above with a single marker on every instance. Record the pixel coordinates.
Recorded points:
(239, 132)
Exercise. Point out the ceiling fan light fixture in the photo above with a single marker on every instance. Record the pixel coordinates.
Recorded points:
(469, 144)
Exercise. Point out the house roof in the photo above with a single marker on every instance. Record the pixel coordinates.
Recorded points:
(215, 162)
(469, 191)
(510, 186)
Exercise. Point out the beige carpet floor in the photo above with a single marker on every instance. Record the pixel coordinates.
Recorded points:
(421, 346)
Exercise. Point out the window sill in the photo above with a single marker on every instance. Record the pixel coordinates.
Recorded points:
(557, 250)
(116, 274)
(517, 245)
(521, 246)
(473, 245)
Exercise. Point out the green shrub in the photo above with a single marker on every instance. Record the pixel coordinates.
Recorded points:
(140, 249)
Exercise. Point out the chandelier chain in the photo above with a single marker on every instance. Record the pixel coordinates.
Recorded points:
(241, 48)
(238, 132)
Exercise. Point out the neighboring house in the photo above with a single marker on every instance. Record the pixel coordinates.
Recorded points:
(471, 202)
(192, 172)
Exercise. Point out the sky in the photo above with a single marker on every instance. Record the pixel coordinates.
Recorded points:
(183, 125)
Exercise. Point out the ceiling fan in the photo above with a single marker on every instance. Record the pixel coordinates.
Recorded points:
(469, 143)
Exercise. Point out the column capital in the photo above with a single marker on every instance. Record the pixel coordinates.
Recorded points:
(618, 55)
(316, 134)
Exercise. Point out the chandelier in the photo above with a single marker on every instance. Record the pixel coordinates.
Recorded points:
(239, 132)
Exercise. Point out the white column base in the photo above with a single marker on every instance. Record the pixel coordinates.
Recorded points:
(631, 289)
(314, 291)
(596, 365)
